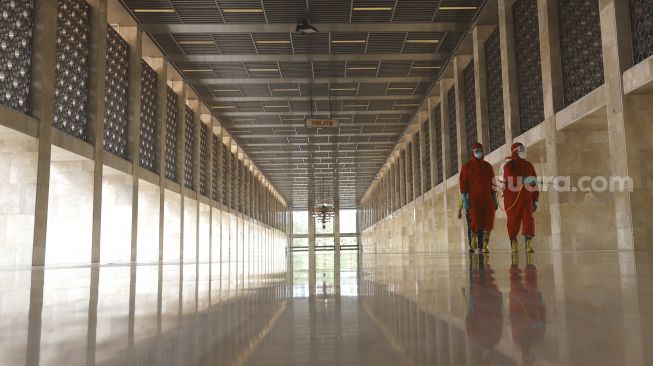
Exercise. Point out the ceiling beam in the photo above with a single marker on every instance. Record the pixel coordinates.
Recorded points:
(292, 80)
(267, 144)
(290, 27)
(234, 126)
(320, 114)
(297, 135)
(435, 56)
(417, 98)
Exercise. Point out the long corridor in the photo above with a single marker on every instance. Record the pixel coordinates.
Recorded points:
(568, 308)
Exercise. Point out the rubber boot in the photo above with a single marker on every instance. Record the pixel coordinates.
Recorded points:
(481, 241)
(514, 245)
(529, 244)
(474, 244)
(486, 242)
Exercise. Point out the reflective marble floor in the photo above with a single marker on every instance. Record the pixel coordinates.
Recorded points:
(569, 308)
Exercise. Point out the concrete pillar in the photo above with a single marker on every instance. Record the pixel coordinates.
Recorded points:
(42, 107)
(417, 167)
(480, 35)
(134, 38)
(509, 71)
(96, 82)
(553, 101)
(160, 65)
(624, 138)
(459, 64)
(180, 88)
(432, 103)
(445, 85)
(402, 177)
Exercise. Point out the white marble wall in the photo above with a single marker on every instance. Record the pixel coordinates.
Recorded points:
(18, 166)
(171, 226)
(115, 239)
(149, 197)
(70, 209)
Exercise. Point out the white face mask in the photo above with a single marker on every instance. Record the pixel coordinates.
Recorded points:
(522, 154)
(478, 155)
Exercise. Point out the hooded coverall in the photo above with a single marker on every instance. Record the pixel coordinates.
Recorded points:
(476, 179)
(517, 198)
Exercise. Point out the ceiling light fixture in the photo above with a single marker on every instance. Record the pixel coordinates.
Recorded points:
(262, 70)
(343, 89)
(426, 67)
(361, 68)
(407, 105)
(284, 90)
(379, 8)
(226, 90)
(195, 42)
(235, 10)
(458, 8)
(339, 41)
(275, 106)
(422, 41)
(355, 105)
(196, 70)
(154, 10)
(223, 106)
(400, 88)
(273, 42)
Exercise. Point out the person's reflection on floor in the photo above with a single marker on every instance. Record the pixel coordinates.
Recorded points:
(484, 316)
(527, 308)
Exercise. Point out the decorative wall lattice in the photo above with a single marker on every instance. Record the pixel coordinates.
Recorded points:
(469, 84)
(426, 154)
(529, 69)
(641, 29)
(226, 176)
(172, 125)
(147, 145)
(245, 185)
(16, 23)
(417, 166)
(409, 172)
(453, 134)
(438, 143)
(204, 158)
(189, 148)
(71, 67)
(580, 48)
(215, 162)
(116, 94)
(494, 91)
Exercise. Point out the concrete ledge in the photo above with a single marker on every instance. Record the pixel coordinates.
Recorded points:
(173, 186)
(639, 78)
(452, 181)
(497, 156)
(72, 144)
(19, 121)
(189, 193)
(533, 136)
(148, 176)
(587, 106)
(117, 163)
(203, 199)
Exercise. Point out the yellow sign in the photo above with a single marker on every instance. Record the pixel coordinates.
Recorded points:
(321, 122)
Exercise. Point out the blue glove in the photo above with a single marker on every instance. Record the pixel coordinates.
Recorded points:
(466, 201)
(530, 181)
(534, 206)
(496, 202)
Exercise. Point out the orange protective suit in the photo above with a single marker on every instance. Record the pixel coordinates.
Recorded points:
(476, 179)
(518, 198)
